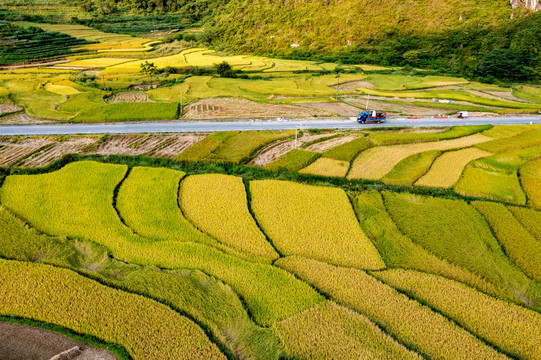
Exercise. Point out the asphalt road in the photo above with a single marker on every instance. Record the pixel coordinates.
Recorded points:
(183, 126)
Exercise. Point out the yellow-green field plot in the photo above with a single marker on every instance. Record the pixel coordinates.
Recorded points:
(331, 331)
(312, 221)
(408, 170)
(512, 328)
(456, 231)
(145, 328)
(327, 167)
(521, 247)
(447, 168)
(97, 62)
(407, 320)
(399, 251)
(530, 176)
(58, 203)
(376, 162)
(218, 205)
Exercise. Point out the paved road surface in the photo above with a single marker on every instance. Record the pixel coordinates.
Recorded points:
(210, 126)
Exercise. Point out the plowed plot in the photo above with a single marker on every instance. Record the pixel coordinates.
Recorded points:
(178, 145)
(323, 146)
(275, 150)
(224, 108)
(11, 153)
(132, 97)
(71, 146)
(120, 145)
(337, 108)
(20, 342)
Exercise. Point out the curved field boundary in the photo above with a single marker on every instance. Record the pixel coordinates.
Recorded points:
(510, 327)
(58, 203)
(447, 168)
(218, 205)
(312, 221)
(376, 162)
(331, 331)
(145, 328)
(521, 247)
(407, 320)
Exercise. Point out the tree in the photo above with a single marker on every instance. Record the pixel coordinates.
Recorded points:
(224, 70)
(148, 68)
(504, 64)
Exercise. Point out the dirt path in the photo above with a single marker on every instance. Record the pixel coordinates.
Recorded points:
(32, 65)
(21, 342)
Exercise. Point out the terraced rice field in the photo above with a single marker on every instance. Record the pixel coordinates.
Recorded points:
(204, 254)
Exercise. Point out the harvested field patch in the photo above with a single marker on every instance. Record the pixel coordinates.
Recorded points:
(130, 96)
(376, 162)
(6, 108)
(70, 146)
(11, 153)
(151, 143)
(225, 108)
(21, 342)
(353, 85)
(177, 145)
(323, 146)
(277, 149)
(20, 118)
(120, 145)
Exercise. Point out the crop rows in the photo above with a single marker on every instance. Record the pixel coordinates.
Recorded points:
(513, 328)
(270, 293)
(312, 221)
(376, 162)
(447, 168)
(217, 204)
(146, 329)
(409, 321)
(330, 331)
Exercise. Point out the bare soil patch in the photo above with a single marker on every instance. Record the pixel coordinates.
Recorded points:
(403, 109)
(323, 146)
(177, 145)
(129, 96)
(70, 146)
(21, 342)
(507, 95)
(277, 149)
(230, 108)
(11, 153)
(337, 108)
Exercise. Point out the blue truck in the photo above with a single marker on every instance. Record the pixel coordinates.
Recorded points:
(371, 117)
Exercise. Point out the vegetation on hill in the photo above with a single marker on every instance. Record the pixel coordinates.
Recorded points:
(28, 44)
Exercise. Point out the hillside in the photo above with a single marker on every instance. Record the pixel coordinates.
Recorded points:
(450, 35)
